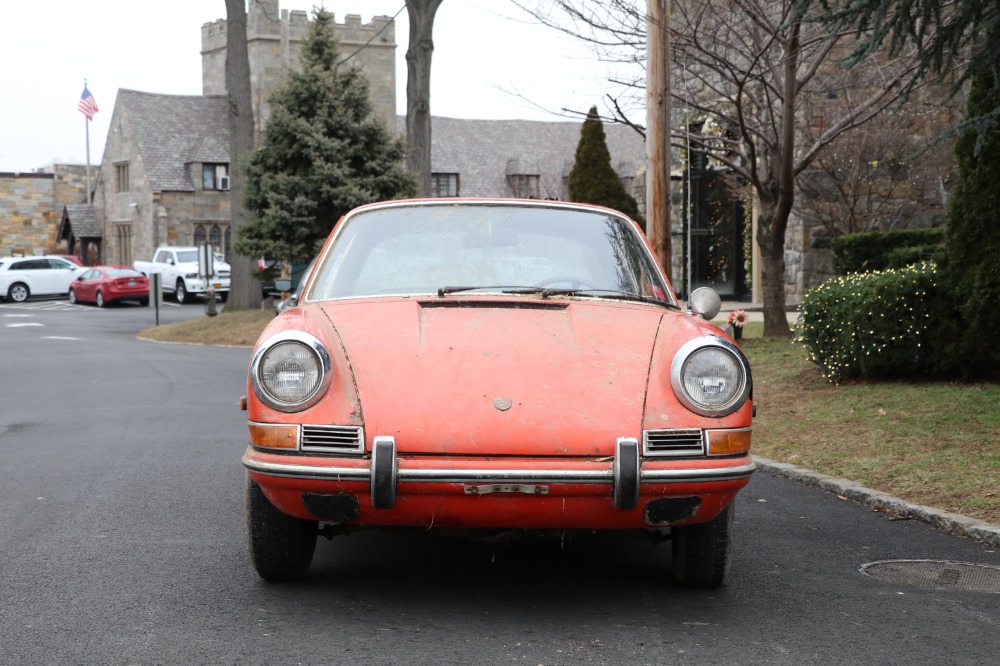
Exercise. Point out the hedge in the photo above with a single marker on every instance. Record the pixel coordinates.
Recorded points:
(873, 251)
(892, 323)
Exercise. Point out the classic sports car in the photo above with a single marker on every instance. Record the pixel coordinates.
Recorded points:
(497, 365)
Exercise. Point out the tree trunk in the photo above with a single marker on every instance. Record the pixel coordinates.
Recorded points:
(771, 238)
(244, 291)
(418, 90)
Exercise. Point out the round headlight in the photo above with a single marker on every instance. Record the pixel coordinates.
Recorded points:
(710, 376)
(290, 371)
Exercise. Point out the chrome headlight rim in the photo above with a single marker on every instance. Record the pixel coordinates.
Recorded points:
(319, 351)
(677, 379)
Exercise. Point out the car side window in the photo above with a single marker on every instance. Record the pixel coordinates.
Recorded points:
(59, 264)
(30, 264)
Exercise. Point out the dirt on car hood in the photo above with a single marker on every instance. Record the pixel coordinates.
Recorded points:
(499, 376)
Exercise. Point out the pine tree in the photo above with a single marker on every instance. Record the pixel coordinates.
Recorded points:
(973, 232)
(592, 180)
(323, 152)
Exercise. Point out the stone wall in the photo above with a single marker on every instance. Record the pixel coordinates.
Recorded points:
(31, 207)
(274, 45)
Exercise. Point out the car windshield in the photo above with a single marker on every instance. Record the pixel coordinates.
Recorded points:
(483, 248)
(187, 256)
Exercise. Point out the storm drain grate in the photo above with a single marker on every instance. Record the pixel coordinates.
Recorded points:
(937, 574)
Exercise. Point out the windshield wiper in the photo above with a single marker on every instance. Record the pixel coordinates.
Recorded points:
(609, 294)
(503, 289)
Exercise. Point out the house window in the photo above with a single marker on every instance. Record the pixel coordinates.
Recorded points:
(215, 176)
(218, 236)
(121, 177)
(123, 244)
(524, 186)
(444, 184)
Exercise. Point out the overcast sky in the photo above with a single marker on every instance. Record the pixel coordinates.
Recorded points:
(485, 56)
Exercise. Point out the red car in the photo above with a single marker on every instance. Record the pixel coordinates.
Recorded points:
(109, 284)
(494, 366)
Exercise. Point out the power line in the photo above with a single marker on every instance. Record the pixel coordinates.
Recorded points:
(381, 30)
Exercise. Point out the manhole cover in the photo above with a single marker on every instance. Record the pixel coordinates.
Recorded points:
(937, 574)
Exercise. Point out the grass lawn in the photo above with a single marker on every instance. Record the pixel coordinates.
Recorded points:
(933, 443)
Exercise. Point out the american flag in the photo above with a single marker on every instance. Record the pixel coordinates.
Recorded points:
(87, 105)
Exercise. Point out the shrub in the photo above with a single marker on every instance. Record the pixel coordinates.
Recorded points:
(888, 323)
(871, 251)
(914, 254)
(973, 231)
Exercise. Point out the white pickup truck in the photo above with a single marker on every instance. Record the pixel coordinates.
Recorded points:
(178, 269)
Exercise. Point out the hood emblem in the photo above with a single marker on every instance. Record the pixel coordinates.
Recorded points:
(503, 404)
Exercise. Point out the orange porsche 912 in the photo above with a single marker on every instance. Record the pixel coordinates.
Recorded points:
(495, 365)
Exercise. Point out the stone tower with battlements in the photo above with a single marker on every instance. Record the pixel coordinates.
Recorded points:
(274, 42)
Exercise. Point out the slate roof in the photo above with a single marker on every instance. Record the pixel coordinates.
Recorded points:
(174, 130)
(484, 152)
(82, 219)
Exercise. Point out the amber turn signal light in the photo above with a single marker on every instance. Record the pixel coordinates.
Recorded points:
(728, 442)
(274, 436)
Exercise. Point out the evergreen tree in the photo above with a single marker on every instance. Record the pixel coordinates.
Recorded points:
(973, 230)
(323, 152)
(592, 180)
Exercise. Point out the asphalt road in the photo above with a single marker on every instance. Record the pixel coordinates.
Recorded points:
(122, 542)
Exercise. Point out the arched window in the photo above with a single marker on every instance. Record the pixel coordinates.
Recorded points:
(215, 236)
(199, 234)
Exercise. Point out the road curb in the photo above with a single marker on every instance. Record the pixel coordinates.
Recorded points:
(973, 528)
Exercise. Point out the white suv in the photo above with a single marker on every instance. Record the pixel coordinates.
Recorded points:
(24, 277)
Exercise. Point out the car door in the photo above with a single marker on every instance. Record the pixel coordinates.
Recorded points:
(34, 273)
(60, 274)
(84, 285)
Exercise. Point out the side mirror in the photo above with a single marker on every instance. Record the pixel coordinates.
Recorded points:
(283, 285)
(704, 303)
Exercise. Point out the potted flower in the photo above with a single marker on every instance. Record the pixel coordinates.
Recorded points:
(737, 318)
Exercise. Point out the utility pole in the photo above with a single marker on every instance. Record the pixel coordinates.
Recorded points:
(658, 129)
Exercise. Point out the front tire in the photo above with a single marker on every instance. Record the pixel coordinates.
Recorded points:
(281, 546)
(181, 293)
(702, 554)
(99, 299)
(72, 297)
(18, 292)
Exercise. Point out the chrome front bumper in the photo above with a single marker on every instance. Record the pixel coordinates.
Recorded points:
(385, 473)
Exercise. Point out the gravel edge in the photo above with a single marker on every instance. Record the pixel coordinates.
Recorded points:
(954, 523)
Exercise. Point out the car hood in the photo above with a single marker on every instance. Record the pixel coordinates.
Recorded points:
(496, 376)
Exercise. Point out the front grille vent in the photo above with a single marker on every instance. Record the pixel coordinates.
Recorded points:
(673, 443)
(333, 439)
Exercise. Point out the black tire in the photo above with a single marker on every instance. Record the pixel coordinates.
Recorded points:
(181, 293)
(702, 554)
(72, 297)
(144, 302)
(223, 296)
(281, 546)
(99, 299)
(18, 292)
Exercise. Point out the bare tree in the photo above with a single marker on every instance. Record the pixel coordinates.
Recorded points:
(880, 176)
(753, 68)
(418, 90)
(244, 291)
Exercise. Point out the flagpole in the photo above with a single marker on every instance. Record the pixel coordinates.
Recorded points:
(86, 126)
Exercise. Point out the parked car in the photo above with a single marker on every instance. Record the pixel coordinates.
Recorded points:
(497, 367)
(71, 258)
(24, 277)
(103, 285)
(178, 270)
